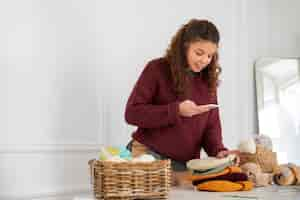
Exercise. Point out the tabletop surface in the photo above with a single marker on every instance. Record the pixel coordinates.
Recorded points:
(262, 193)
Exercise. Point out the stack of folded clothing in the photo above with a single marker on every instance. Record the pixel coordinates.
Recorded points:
(218, 175)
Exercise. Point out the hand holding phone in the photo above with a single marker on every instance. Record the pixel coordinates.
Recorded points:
(188, 108)
(211, 106)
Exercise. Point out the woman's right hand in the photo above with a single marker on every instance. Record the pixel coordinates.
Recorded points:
(188, 108)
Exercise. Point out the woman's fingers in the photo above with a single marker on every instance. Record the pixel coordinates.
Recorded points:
(225, 153)
(222, 154)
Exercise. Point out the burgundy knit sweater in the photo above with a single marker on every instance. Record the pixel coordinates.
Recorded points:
(154, 108)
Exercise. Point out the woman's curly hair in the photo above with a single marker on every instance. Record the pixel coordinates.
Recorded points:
(194, 30)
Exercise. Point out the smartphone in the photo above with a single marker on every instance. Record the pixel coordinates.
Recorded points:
(212, 106)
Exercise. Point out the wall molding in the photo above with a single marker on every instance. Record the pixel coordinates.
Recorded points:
(59, 194)
(49, 148)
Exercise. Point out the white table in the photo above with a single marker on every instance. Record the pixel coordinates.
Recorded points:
(262, 193)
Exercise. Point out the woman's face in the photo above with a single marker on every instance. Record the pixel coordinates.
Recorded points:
(199, 54)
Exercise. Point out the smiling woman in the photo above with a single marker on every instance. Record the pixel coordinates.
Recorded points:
(174, 101)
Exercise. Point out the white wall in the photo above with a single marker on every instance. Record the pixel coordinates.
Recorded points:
(68, 67)
(50, 97)
(49, 58)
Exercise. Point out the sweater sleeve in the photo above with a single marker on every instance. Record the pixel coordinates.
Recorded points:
(140, 110)
(213, 143)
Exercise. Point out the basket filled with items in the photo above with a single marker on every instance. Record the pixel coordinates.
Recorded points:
(116, 175)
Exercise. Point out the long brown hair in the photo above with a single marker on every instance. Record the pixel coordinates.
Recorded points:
(194, 30)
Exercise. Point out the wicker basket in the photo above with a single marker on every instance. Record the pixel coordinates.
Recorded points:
(130, 180)
(264, 157)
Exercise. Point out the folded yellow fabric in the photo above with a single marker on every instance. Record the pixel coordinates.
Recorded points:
(225, 186)
(247, 185)
(228, 170)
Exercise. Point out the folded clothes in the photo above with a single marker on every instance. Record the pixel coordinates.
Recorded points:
(234, 177)
(227, 170)
(225, 186)
(209, 162)
(213, 170)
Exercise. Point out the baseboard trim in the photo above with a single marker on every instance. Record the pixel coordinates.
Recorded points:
(60, 194)
(52, 148)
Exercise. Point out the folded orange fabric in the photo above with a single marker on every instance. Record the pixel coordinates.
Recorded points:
(225, 186)
(247, 185)
(228, 170)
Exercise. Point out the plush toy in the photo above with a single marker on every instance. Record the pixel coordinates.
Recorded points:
(287, 174)
(256, 175)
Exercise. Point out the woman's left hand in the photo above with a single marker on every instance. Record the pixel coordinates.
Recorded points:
(224, 153)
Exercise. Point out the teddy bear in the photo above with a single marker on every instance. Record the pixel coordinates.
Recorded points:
(287, 174)
(255, 174)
